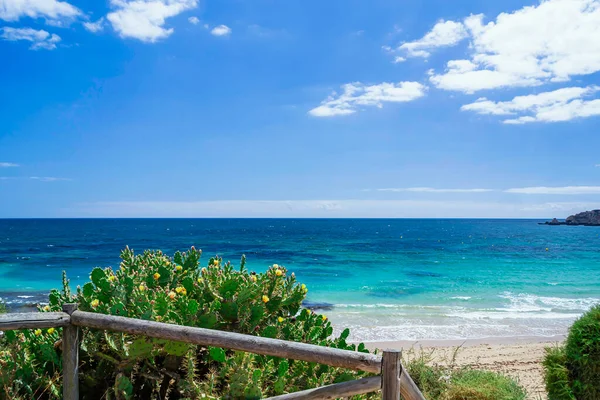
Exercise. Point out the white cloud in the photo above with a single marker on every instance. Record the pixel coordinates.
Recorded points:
(568, 190)
(40, 39)
(550, 42)
(398, 60)
(48, 178)
(357, 94)
(193, 20)
(559, 105)
(444, 33)
(94, 27)
(328, 209)
(433, 190)
(8, 165)
(221, 30)
(145, 19)
(55, 12)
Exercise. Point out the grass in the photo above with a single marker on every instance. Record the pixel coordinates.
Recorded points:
(471, 384)
(448, 382)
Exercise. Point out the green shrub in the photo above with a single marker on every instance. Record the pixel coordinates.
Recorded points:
(176, 290)
(432, 379)
(556, 374)
(573, 370)
(583, 355)
(468, 384)
(446, 382)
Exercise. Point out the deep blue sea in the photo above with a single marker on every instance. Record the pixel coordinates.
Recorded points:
(386, 279)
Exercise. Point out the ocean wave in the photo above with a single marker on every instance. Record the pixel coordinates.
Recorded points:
(392, 306)
(502, 314)
(461, 298)
(451, 329)
(524, 302)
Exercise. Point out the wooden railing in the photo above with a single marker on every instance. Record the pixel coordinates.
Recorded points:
(393, 380)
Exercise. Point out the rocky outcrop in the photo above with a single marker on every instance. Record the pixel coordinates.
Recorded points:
(589, 218)
(586, 218)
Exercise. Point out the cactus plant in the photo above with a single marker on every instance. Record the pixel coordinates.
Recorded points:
(178, 290)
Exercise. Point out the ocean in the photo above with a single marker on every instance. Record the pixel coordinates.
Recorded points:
(386, 279)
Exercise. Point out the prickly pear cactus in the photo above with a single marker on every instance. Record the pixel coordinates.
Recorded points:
(178, 290)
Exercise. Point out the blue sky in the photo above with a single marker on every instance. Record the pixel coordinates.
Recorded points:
(378, 108)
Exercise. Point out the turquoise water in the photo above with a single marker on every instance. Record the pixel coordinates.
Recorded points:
(387, 279)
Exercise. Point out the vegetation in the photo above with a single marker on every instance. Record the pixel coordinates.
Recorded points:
(439, 382)
(573, 370)
(178, 290)
(469, 384)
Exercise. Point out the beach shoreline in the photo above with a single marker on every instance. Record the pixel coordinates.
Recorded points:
(501, 340)
(517, 357)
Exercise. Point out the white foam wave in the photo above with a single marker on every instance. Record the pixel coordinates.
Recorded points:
(508, 315)
(525, 302)
(501, 314)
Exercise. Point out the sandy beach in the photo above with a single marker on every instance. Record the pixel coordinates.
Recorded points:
(517, 357)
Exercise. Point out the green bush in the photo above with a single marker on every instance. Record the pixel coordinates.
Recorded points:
(447, 382)
(573, 371)
(468, 384)
(176, 290)
(432, 379)
(556, 374)
(583, 355)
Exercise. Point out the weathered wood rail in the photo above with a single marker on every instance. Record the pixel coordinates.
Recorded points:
(394, 382)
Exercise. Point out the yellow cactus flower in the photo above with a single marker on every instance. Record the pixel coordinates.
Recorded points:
(179, 289)
(172, 295)
(275, 266)
(184, 292)
(278, 272)
(280, 319)
(178, 268)
(265, 299)
(51, 331)
(253, 278)
(142, 288)
(112, 278)
(324, 318)
(37, 332)
(158, 318)
(46, 308)
(200, 280)
(303, 287)
(156, 276)
(95, 303)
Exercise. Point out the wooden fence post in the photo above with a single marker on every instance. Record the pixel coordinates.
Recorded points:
(391, 369)
(70, 345)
